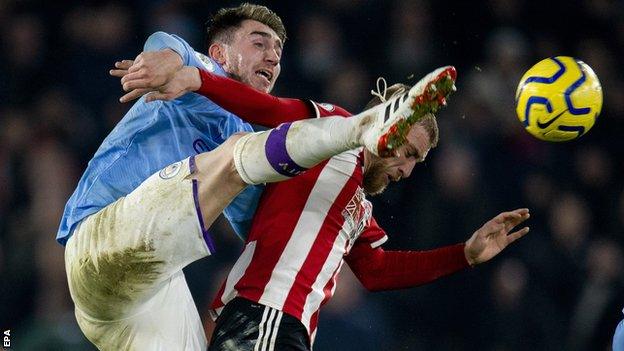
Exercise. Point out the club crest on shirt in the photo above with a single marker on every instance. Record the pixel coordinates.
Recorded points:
(170, 171)
(205, 60)
(357, 215)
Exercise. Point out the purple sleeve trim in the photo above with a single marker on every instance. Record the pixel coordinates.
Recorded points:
(192, 166)
(205, 232)
(277, 155)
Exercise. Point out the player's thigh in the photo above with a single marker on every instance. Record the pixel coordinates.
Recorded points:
(169, 321)
(218, 179)
(121, 255)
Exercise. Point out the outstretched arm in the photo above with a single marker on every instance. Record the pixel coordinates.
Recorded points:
(242, 100)
(386, 270)
(381, 270)
(255, 106)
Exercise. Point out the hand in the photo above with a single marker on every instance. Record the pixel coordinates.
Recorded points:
(148, 72)
(185, 80)
(492, 238)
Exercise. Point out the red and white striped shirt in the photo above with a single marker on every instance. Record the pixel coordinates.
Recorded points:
(302, 229)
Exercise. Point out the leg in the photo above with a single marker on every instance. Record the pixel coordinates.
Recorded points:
(170, 321)
(292, 148)
(125, 261)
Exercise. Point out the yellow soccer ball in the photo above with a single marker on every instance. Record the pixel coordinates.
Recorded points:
(559, 99)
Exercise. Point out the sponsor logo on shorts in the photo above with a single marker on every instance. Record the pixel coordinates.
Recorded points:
(170, 171)
(205, 61)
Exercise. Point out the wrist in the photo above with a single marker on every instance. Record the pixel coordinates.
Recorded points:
(471, 261)
(194, 78)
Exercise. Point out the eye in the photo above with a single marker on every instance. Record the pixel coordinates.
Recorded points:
(414, 155)
(259, 45)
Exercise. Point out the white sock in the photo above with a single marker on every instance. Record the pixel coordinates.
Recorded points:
(292, 148)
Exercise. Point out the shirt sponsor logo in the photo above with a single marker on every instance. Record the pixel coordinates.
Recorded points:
(205, 61)
(170, 171)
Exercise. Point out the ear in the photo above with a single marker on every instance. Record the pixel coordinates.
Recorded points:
(367, 159)
(217, 52)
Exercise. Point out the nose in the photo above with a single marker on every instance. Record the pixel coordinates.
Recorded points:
(406, 169)
(272, 57)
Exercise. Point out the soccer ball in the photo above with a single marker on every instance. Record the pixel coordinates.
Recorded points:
(558, 99)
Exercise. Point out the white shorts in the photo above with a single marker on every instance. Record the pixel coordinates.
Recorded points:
(124, 266)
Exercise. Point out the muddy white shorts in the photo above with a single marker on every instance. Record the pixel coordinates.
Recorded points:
(124, 266)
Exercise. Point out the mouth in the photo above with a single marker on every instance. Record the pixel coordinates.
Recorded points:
(265, 74)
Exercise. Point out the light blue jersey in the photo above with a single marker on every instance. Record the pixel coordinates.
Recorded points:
(618, 336)
(152, 136)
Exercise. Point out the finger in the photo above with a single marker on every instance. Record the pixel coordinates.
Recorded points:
(521, 211)
(133, 76)
(515, 215)
(137, 64)
(137, 84)
(134, 94)
(503, 217)
(124, 64)
(119, 73)
(511, 223)
(518, 211)
(517, 235)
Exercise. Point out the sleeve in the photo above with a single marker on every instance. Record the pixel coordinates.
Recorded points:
(161, 40)
(257, 107)
(373, 235)
(378, 269)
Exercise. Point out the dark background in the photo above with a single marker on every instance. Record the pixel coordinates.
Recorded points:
(559, 288)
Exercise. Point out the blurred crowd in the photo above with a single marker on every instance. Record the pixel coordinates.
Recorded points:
(559, 288)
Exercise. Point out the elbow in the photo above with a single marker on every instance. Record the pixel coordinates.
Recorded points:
(158, 35)
(154, 40)
(371, 284)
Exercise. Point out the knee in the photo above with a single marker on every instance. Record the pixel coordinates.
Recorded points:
(219, 163)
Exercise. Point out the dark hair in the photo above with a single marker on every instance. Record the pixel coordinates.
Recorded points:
(428, 121)
(222, 25)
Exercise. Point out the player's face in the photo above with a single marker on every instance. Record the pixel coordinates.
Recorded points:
(253, 57)
(379, 172)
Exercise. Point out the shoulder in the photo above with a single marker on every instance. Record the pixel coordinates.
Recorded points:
(206, 63)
